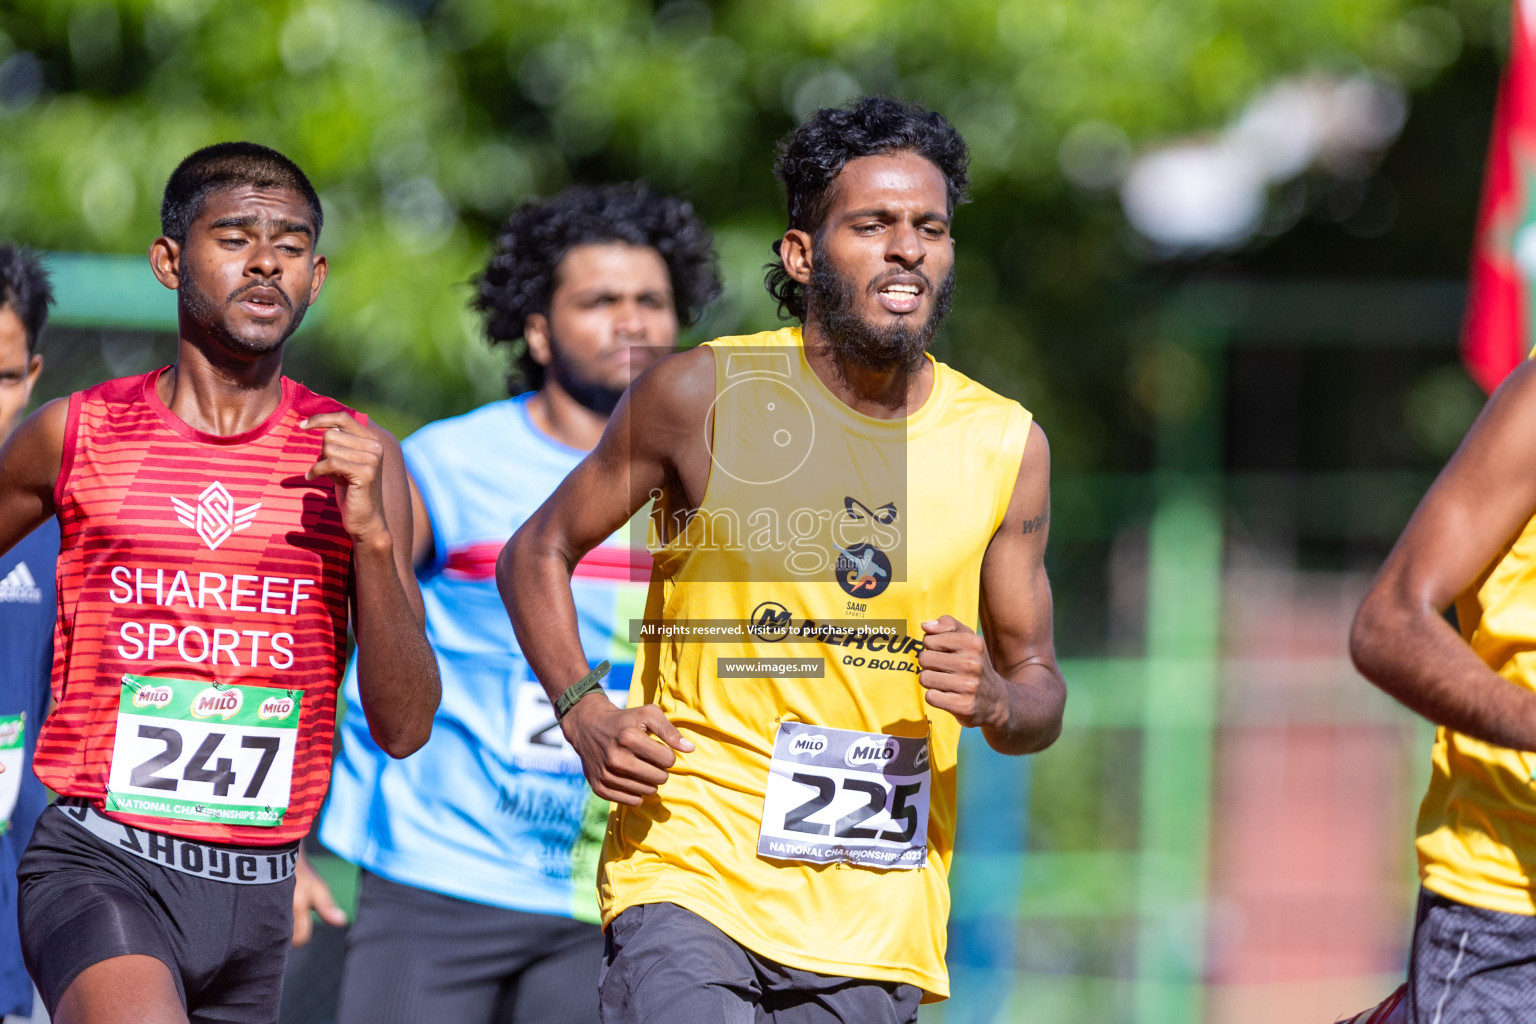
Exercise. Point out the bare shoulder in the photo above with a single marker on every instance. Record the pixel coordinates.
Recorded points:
(52, 416)
(1034, 480)
(1494, 468)
(1028, 514)
(667, 407)
(1519, 385)
(30, 463)
(40, 437)
(1037, 455)
(1509, 415)
(679, 387)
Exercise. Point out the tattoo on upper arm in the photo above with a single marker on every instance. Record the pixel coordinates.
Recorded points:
(1039, 522)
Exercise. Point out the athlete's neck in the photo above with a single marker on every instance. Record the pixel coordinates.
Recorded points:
(564, 419)
(885, 393)
(221, 396)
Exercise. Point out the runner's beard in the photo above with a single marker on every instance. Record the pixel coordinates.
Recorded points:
(589, 392)
(830, 299)
(209, 315)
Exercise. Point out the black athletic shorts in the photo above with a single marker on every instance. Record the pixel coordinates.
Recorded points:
(415, 956)
(83, 901)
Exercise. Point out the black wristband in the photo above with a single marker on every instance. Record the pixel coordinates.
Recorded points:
(586, 684)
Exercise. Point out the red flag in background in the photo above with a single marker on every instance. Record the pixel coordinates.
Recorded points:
(1496, 334)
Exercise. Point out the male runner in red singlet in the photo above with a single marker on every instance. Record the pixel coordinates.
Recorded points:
(221, 526)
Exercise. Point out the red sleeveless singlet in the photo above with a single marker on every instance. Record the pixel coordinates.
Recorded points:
(212, 562)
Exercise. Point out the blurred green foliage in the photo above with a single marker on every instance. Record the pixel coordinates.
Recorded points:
(423, 123)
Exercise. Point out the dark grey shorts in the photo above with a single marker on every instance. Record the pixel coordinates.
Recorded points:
(415, 955)
(1471, 966)
(83, 901)
(667, 965)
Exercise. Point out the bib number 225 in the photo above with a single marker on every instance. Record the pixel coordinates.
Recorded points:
(840, 796)
(880, 797)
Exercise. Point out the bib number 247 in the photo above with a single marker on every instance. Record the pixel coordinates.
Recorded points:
(192, 751)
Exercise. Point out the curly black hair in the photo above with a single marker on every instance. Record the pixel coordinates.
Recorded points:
(811, 157)
(519, 280)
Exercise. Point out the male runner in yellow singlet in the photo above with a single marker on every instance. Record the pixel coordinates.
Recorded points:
(834, 514)
(1471, 542)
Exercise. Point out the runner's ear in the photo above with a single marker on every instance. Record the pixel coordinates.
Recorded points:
(536, 336)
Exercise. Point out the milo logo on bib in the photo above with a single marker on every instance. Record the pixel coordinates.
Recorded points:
(152, 697)
(11, 731)
(808, 744)
(276, 707)
(875, 754)
(217, 702)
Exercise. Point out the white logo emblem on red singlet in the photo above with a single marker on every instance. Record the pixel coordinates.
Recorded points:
(215, 517)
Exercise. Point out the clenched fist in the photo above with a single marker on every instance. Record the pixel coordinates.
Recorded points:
(625, 752)
(352, 457)
(957, 672)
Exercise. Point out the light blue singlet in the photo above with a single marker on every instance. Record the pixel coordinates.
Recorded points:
(491, 809)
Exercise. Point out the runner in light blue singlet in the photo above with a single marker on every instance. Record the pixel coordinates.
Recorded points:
(490, 810)
(477, 902)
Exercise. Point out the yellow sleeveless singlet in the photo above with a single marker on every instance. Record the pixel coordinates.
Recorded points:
(814, 514)
(1477, 824)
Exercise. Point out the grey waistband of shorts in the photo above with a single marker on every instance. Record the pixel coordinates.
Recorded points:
(240, 865)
